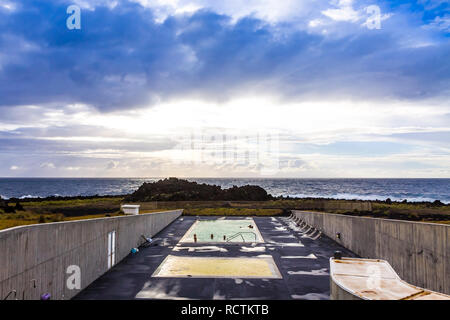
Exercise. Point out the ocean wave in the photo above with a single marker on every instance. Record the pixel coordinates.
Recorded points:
(27, 196)
(374, 197)
(412, 190)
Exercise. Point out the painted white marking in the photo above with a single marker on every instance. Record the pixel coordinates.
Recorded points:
(249, 283)
(281, 244)
(309, 256)
(286, 237)
(201, 249)
(311, 296)
(320, 272)
(218, 296)
(255, 249)
(159, 291)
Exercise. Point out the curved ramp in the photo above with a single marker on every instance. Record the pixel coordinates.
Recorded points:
(373, 279)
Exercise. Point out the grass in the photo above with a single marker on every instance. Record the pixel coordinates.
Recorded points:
(80, 209)
(72, 202)
(9, 220)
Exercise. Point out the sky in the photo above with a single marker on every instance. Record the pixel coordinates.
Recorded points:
(236, 88)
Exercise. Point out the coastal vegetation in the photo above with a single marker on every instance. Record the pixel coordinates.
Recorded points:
(199, 200)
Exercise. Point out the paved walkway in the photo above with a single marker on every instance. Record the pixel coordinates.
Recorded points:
(302, 262)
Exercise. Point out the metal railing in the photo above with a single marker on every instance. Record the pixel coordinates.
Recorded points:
(241, 234)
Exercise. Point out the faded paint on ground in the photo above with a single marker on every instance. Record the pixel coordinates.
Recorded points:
(211, 267)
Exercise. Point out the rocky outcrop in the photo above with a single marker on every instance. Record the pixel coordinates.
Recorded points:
(174, 189)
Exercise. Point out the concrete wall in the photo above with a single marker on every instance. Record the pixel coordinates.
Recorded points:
(337, 293)
(44, 251)
(418, 252)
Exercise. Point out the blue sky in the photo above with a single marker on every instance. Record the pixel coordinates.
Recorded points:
(177, 87)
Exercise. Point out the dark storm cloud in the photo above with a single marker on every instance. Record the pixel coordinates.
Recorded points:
(122, 58)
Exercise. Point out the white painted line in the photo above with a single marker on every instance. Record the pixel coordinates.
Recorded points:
(309, 256)
(311, 296)
(252, 249)
(200, 249)
(320, 272)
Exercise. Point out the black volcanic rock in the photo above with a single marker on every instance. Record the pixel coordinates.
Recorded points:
(174, 189)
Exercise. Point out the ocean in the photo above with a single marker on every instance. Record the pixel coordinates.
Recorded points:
(365, 189)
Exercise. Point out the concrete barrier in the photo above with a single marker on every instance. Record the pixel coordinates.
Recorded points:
(34, 259)
(419, 252)
(373, 279)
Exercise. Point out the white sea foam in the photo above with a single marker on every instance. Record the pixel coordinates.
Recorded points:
(412, 190)
(372, 197)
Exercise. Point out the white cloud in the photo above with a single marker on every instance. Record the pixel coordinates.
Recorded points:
(127, 139)
(440, 23)
(112, 165)
(273, 11)
(431, 4)
(344, 12)
(47, 165)
(8, 5)
(147, 141)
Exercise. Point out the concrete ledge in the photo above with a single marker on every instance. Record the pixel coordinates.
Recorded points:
(419, 252)
(34, 258)
(372, 279)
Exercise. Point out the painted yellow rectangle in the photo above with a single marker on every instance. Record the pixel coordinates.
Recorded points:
(209, 267)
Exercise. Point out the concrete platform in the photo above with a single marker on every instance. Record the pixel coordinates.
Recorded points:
(303, 264)
(373, 279)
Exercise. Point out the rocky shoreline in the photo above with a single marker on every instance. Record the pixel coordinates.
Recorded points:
(203, 199)
(174, 189)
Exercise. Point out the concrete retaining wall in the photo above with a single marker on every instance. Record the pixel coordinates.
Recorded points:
(44, 251)
(418, 252)
(338, 293)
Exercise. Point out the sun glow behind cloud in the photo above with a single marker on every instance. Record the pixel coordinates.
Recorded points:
(148, 80)
(316, 139)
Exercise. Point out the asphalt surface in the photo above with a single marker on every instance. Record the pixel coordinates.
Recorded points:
(302, 261)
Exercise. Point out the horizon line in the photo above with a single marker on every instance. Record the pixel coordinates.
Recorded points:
(273, 178)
